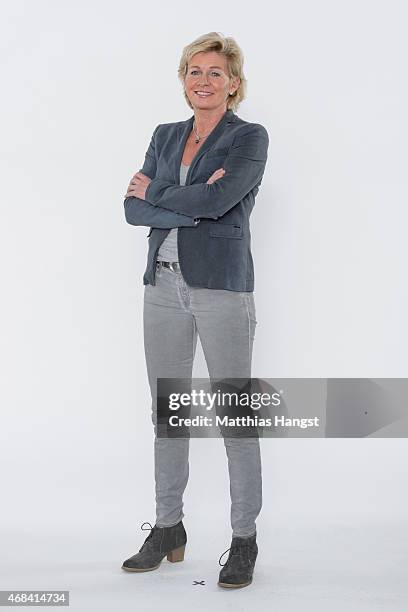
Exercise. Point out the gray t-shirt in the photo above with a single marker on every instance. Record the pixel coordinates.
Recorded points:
(168, 250)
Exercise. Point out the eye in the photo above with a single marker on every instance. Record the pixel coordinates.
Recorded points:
(215, 73)
(193, 71)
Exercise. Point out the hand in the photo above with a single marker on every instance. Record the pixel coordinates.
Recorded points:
(216, 175)
(138, 185)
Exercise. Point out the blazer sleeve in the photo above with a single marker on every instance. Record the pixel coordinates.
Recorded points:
(244, 167)
(141, 212)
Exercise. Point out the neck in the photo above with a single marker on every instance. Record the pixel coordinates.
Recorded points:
(206, 120)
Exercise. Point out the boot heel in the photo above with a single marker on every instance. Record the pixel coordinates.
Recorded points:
(176, 555)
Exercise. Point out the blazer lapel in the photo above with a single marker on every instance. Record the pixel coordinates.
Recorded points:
(183, 134)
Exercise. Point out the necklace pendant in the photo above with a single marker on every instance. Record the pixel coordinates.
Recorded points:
(197, 140)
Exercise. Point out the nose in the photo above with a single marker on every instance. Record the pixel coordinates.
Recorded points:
(203, 80)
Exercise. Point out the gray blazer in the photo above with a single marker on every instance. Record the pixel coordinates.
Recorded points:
(214, 239)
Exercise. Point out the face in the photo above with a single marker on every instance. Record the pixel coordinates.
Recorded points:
(207, 81)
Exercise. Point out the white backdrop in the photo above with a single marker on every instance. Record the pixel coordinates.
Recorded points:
(83, 86)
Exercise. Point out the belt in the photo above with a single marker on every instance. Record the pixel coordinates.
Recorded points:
(172, 265)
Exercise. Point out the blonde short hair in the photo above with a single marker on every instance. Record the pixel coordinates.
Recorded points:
(214, 41)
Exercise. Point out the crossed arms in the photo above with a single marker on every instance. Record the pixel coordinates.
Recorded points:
(169, 205)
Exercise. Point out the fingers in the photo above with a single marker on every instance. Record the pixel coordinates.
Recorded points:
(219, 172)
(216, 175)
(139, 177)
(137, 186)
(132, 190)
(135, 179)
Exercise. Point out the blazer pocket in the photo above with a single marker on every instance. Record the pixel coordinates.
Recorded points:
(224, 230)
(218, 152)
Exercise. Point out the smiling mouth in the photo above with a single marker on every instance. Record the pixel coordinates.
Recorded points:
(203, 94)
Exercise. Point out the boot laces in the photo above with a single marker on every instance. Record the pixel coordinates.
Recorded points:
(219, 560)
(235, 549)
(150, 538)
(146, 523)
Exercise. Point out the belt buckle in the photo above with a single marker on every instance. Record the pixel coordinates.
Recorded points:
(174, 266)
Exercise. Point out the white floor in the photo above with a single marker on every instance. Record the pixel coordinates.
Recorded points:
(335, 568)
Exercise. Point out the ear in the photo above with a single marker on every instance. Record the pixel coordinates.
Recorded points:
(234, 85)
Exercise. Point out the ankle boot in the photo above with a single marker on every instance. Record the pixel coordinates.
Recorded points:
(238, 570)
(161, 541)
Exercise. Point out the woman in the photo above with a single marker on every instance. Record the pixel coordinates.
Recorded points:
(196, 191)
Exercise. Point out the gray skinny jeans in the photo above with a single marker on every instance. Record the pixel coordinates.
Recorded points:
(225, 320)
